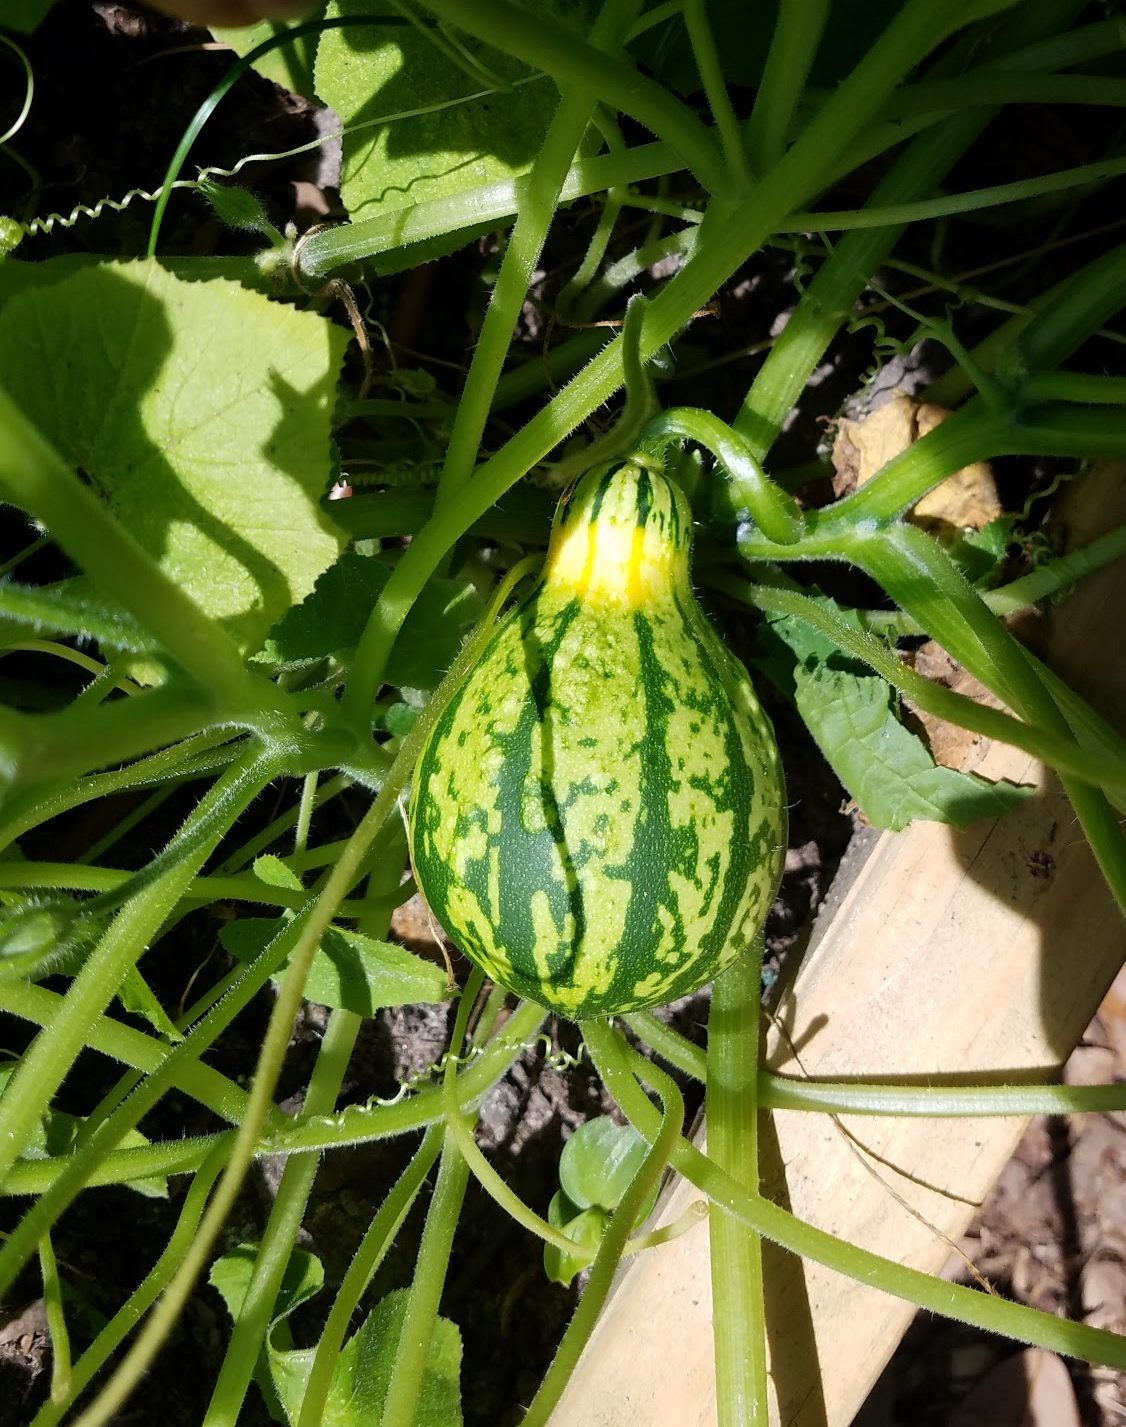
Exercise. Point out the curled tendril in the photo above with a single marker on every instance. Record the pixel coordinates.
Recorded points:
(50, 221)
(553, 1059)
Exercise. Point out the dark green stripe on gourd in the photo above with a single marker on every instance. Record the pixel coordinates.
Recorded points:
(597, 817)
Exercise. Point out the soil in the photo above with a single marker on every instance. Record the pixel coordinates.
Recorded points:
(115, 88)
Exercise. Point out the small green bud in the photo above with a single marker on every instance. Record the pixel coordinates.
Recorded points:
(238, 208)
(29, 936)
(12, 234)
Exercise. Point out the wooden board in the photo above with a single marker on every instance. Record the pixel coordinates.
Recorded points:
(986, 950)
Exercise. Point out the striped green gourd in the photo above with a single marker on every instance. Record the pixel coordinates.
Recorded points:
(597, 817)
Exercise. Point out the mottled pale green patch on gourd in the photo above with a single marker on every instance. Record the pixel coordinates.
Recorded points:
(597, 816)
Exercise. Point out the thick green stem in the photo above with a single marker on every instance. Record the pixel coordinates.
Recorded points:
(266, 1075)
(52, 1053)
(286, 1215)
(365, 1125)
(581, 68)
(434, 1252)
(781, 1092)
(356, 1125)
(793, 45)
(56, 1321)
(138, 1303)
(739, 1322)
(829, 300)
(710, 69)
(1104, 767)
(972, 434)
(426, 1291)
(896, 215)
(722, 247)
(288, 1209)
(1052, 327)
(201, 891)
(773, 510)
(192, 758)
(131, 1047)
(366, 1259)
(670, 1045)
(38, 751)
(479, 210)
(541, 198)
(921, 579)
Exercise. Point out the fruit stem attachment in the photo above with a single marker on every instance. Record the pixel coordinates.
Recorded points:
(772, 509)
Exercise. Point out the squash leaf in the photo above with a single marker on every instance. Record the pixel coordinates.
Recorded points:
(350, 971)
(200, 411)
(852, 716)
(413, 128)
(363, 1372)
(290, 65)
(333, 617)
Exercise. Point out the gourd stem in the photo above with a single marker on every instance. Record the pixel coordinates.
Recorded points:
(773, 510)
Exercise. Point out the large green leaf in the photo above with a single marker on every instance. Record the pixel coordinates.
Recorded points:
(350, 971)
(334, 616)
(289, 64)
(363, 1372)
(24, 15)
(378, 77)
(851, 714)
(201, 412)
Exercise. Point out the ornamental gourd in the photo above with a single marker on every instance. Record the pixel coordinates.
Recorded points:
(597, 817)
